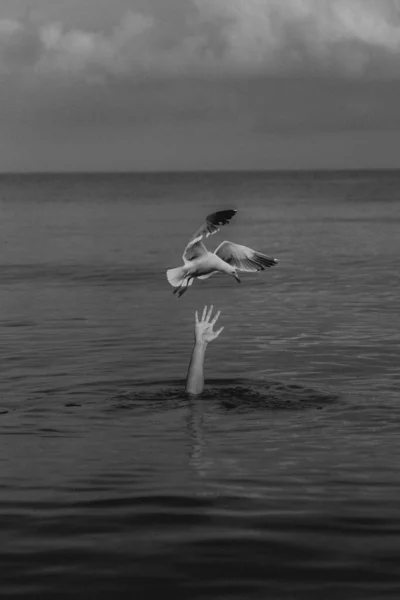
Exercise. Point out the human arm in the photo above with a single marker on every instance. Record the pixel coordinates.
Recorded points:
(203, 334)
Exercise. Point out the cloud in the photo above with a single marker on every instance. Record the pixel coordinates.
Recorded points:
(350, 37)
(140, 45)
(215, 37)
(184, 77)
(267, 65)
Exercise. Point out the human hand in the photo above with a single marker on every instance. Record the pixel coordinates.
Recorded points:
(203, 332)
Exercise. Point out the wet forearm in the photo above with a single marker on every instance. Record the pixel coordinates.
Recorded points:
(195, 376)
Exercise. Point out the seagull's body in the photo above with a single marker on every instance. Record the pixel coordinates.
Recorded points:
(228, 258)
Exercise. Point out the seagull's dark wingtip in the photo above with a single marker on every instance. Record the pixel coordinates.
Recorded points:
(230, 213)
(221, 217)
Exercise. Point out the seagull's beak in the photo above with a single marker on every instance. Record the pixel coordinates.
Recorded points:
(236, 276)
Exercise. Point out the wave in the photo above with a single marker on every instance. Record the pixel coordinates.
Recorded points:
(78, 273)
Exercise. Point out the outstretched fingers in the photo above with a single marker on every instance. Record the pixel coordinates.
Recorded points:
(215, 319)
(218, 331)
(209, 313)
(206, 316)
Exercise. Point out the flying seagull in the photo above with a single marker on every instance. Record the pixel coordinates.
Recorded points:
(228, 258)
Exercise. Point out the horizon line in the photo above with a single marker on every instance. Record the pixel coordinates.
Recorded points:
(200, 171)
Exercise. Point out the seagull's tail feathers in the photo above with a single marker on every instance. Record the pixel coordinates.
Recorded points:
(176, 276)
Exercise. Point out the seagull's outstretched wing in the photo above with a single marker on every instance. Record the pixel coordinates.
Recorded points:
(243, 258)
(211, 225)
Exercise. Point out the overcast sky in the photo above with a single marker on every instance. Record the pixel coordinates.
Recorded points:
(199, 84)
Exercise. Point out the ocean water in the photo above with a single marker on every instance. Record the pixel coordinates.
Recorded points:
(282, 480)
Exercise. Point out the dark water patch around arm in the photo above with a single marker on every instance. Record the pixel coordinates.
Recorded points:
(239, 395)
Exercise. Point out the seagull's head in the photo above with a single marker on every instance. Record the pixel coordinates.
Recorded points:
(236, 276)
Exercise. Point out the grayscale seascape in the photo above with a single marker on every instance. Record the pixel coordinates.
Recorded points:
(282, 480)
